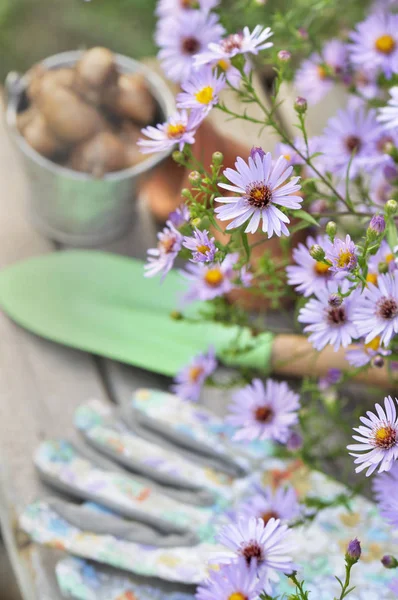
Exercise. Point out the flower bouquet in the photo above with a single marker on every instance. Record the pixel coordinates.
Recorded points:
(340, 191)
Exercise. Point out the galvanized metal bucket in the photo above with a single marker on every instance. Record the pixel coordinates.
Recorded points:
(71, 207)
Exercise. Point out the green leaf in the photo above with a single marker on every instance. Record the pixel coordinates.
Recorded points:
(246, 244)
(302, 214)
(392, 234)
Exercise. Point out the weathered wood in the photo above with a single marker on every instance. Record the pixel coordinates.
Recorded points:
(40, 386)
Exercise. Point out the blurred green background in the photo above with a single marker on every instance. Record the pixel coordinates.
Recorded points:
(31, 30)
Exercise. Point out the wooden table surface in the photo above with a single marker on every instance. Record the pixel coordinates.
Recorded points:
(42, 383)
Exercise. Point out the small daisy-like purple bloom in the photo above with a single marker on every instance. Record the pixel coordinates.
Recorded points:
(264, 412)
(179, 216)
(183, 37)
(202, 245)
(261, 187)
(381, 262)
(172, 8)
(308, 275)
(161, 258)
(388, 115)
(343, 255)
(237, 43)
(237, 582)
(201, 90)
(315, 77)
(267, 504)
(332, 377)
(351, 131)
(385, 486)
(376, 311)
(362, 354)
(375, 43)
(189, 382)
(328, 324)
(210, 281)
(378, 439)
(267, 546)
(179, 129)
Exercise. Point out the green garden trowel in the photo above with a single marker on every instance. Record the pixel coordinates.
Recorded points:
(102, 303)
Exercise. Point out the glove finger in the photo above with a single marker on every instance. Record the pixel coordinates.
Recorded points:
(103, 431)
(78, 473)
(82, 580)
(183, 564)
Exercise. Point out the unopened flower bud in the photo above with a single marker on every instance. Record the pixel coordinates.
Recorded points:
(300, 105)
(284, 55)
(389, 562)
(354, 551)
(335, 300)
(376, 227)
(175, 315)
(257, 151)
(383, 268)
(217, 158)
(294, 441)
(317, 252)
(195, 178)
(196, 222)
(331, 230)
(302, 33)
(391, 207)
(178, 157)
(378, 361)
(186, 193)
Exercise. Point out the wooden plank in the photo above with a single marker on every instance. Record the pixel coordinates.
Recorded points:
(41, 384)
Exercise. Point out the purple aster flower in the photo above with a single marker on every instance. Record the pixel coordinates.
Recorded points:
(202, 246)
(267, 504)
(314, 146)
(377, 224)
(267, 546)
(264, 412)
(351, 130)
(379, 156)
(179, 129)
(380, 187)
(316, 75)
(382, 262)
(378, 439)
(189, 381)
(237, 581)
(183, 37)
(308, 275)
(375, 43)
(179, 216)
(343, 255)
(257, 150)
(362, 354)
(385, 486)
(332, 377)
(211, 281)
(388, 115)
(376, 311)
(365, 82)
(329, 324)
(260, 186)
(237, 43)
(161, 258)
(201, 90)
(173, 8)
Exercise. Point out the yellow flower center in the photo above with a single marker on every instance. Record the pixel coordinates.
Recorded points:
(322, 72)
(287, 157)
(205, 95)
(237, 596)
(321, 268)
(372, 278)
(203, 249)
(373, 344)
(195, 373)
(385, 437)
(224, 64)
(175, 131)
(214, 277)
(385, 44)
(389, 258)
(344, 258)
